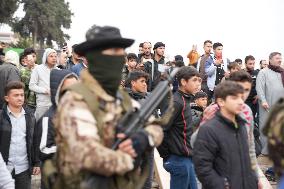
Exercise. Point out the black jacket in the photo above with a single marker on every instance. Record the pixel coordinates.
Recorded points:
(148, 66)
(252, 93)
(140, 97)
(5, 136)
(179, 130)
(45, 132)
(196, 113)
(8, 72)
(221, 155)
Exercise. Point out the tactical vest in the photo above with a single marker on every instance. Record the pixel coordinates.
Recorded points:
(133, 179)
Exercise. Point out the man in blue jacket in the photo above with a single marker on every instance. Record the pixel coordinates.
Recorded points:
(215, 68)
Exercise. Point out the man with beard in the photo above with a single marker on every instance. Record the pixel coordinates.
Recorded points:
(252, 98)
(87, 119)
(269, 88)
(146, 53)
(263, 64)
(155, 66)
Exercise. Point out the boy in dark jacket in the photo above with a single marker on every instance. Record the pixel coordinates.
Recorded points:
(176, 150)
(137, 83)
(221, 153)
(197, 108)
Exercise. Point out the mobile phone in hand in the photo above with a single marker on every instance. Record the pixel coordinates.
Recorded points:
(219, 56)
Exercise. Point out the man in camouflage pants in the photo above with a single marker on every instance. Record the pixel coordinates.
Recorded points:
(85, 133)
(274, 131)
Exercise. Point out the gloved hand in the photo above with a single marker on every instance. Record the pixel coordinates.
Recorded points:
(140, 142)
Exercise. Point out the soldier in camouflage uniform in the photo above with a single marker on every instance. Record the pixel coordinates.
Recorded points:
(84, 138)
(274, 130)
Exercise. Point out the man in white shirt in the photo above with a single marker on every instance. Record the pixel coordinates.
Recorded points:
(16, 137)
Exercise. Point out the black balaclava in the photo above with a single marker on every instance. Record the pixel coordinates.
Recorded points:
(106, 69)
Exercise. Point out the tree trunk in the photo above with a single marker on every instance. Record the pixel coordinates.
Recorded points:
(35, 34)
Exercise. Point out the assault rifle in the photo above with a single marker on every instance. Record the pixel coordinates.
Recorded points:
(136, 118)
(131, 122)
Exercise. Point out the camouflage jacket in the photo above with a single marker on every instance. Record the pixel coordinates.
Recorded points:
(80, 147)
(30, 96)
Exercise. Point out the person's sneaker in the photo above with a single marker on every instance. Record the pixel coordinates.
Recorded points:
(270, 175)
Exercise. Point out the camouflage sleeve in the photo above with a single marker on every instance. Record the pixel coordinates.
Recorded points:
(156, 132)
(78, 132)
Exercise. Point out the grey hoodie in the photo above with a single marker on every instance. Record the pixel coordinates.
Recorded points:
(40, 81)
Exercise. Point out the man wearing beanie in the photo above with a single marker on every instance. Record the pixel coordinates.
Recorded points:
(87, 119)
(40, 82)
(155, 67)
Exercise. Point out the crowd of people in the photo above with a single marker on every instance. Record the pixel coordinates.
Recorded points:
(59, 118)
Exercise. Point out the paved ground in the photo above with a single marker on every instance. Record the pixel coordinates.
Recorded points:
(35, 182)
(264, 163)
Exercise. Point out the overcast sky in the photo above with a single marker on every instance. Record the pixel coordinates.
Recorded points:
(243, 26)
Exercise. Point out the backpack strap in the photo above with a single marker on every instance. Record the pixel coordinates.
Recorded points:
(126, 100)
(92, 101)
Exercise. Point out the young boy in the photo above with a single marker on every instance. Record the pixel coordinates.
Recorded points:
(221, 151)
(232, 67)
(137, 82)
(197, 108)
(130, 66)
(176, 150)
(201, 99)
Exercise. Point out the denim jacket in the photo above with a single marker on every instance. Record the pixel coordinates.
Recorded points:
(210, 70)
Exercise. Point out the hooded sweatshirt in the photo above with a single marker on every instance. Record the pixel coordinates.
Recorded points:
(45, 133)
(40, 81)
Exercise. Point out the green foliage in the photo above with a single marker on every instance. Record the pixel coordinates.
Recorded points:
(44, 21)
(23, 43)
(7, 9)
